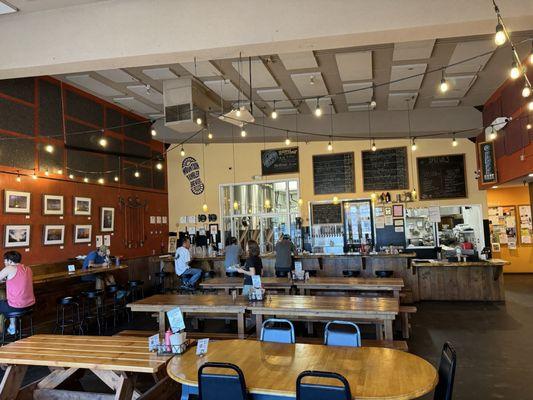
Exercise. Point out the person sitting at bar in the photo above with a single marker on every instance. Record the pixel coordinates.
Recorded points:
(19, 287)
(252, 266)
(189, 276)
(232, 254)
(97, 259)
(284, 249)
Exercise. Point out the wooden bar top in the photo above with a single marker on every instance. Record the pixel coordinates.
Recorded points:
(443, 263)
(306, 256)
(351, 283)
(272, 368)
(55, 276)
(126, 354)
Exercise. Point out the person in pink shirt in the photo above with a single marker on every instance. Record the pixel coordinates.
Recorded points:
(19, 287)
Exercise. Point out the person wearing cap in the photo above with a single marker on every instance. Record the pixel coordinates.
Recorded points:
(284, 249)
(95, 259)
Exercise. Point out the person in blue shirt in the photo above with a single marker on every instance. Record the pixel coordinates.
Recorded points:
(97, 258)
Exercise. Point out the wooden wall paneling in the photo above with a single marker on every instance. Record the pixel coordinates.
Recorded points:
(513, 136)
(50, 161)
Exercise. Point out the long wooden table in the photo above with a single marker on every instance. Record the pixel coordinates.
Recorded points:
(197, 304)
(228, 284)
(390, 285)
(109, 358)
(271, 369)
(378, 310)
(55, 276)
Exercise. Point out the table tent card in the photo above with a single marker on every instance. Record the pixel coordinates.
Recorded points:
(175, 319)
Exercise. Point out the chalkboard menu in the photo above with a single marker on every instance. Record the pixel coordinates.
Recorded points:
(279, 161)
(487, 161)
(333, 173)
(442, 177)
(327, 213)
(385, 169)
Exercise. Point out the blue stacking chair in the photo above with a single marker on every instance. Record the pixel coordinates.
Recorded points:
(221, 386)
(448, 361)
(277, 330)
(307, 391)
(342, 333)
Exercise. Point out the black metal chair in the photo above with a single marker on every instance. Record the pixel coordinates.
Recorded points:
(19, 316)
(350, 273)
(163, 285)
(93, 308)
(232, 274)
(448, 362)
(312, 272)
(307, 391)
(384, 274)
(68, 315)
(282, 273)
(221, 386)
(117, 306)
(136, 289)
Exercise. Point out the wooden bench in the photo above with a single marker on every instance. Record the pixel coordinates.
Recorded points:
(405, 314)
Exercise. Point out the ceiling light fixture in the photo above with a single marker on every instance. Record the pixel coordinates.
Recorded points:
(374, 148)
(530, 106)
(528, 126)
(454, 142)
(287, 139)
(18, 178)
(159, 166)
(34, 176)
(102, 142)
(318, 110)
(7, 8)
(71, 176)
(274, 113)
(101, 181)
(312, 80)
(238, 112)
(373, 103)
(330, 146)
(204, 207)
(116, 179)
(210, 136)
(199, 121)
(86, 180)
(493, 134)
(444, 86)
(49, 148)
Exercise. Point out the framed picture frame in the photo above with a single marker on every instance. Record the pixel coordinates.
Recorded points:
(82, 205)
(83, 233)
(397, 211)
(17, 236)
(107, 219)
(54, 235)
(17, 202)
(53, 204)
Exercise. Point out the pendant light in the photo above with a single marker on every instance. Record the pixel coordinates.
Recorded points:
(204, 170)
(444, 86)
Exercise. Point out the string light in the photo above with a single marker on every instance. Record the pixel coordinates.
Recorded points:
(235, 205)
(86, 180)
(318, 110)
(60, 171)
(373, 102)
(500, 37)
(267, 203)
(136, 174)
(330, 146)
(374, 148)
(34, 176)
(18, 178)
(443, 84)
(116, 179)
(101, 181)
(413, 193)
(526, 91)
(153, 132)
(182, 151)
(159, 166)
(71, 176)
(210, 136)
(528, 126)
(373, 196)
(335, 200)
(274, 113)
(49, 148)
(493, 134)
(204, 208)
(514, 73)
(454, 142)
(199, 121)
(413, 145)
(287, 139)
(102, 142)
(243, 132)
(46, 173)
(238, 112)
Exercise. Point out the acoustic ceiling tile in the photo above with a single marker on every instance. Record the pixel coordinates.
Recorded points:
(310, 84)
(89, 83)
(417, 50)
(358, 92)
(355, 66)
(202, 69)
(151, 94)
(300, 60)
(133, 104)
(400, 101)
(261, 76)
(466, 50)
(405, 71)
(160, 74)
(117, 75)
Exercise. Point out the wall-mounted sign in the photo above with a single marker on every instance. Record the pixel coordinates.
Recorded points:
(191, 170)
(333, 173)
(487, 163)
(279, 161)
(442, 177)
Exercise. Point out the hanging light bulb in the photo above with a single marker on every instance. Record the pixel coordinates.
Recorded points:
(34, 176)
(330, 147)
(199, 121)
(530, 106)
(267, 203)
(210, 136)
(528, 126)
(300, 201)
(86, 180)
(101, 181)
(454, 142)
(318, 110)
(373, 196)
(115, 178)
(18, 178)
(71, 176)
(235, 205)
(238, 112)
(526, 91)
(287, 140)
(413, 193)
(153, 132)
(274, 113)
(500, 37)
(136, 174)
(204, 208)
(182, 152)
(243, 132)
(413, 145)
(102, 142)
(46, 173)
(514, 73)
(374, 148)
(49, 148)
(159, 166)
(59, 171)
(335, 200)
(493, 134)
(444, 86)
(373, 103)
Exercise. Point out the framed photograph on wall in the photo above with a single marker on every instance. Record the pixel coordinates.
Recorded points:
(83, 233)
(397, 211)
(54, 235)
(82, 205)
(52, 204)
(17, 202)
(17, 236)
(107, 219)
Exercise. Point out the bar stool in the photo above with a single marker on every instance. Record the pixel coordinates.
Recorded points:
(68, 305)
(136, 289)
(232, 274)
(162, 279)
(350, 273)
(19, 316)
(118, 303)
(384, 274)
(93, 308)
(282, 273)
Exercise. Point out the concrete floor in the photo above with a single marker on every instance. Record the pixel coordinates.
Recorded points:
(492, 343)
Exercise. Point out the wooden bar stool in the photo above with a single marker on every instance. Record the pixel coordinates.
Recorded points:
(19, 317)
(68, 315)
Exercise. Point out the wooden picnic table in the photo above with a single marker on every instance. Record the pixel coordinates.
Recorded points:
(378, 310)
(197, 304)
(112, 359)
(270, 369)
(391, 285)
(228, 284)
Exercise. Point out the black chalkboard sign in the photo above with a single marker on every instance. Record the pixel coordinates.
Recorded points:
(326, 213)
(333, 173)
(442, 177)
(279, 161)
(487, 162)
(385, 169)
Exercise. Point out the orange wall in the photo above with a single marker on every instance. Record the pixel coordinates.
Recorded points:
(522, 258)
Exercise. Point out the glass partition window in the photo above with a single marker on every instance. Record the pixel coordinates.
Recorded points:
(259, 211)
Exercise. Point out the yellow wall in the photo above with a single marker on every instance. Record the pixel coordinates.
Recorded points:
(219, 159)
(522, 258)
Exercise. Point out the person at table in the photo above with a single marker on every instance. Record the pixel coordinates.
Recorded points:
(232, 254)
(252, 266)
(189, 276)
(284, 249)
(97, 259)
(19, 287)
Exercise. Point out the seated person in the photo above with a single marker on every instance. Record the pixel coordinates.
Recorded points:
(189, 276)
(252, 266)
(19, 287)
(232, 254)
(97, 259)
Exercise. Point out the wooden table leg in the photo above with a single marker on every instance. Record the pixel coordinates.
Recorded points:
(258, 325)
(226, 291)
(11, 382)
(124, 389)
(287, 290)
(379, 331)
(388, 329)
(56, 378)
(396, 293)
(240, 325)
(162, 323)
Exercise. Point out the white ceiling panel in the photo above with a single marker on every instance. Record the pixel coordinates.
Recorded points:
(151, 95)
(404, 71)
(133, 104)
(308, 87)
(418, 50)
(355, 66)
(203, 69)
(459, 85)
(398, 101)
(261, 77)
(359, 92)
(117, 75)
(160, 74)
(444, 103)
(89, 83)
(467, 50)
(325, 105)
(6, 8)
(300, 60)
(287, 111)
(225, 89)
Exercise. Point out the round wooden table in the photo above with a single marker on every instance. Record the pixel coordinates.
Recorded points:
(270, 369)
